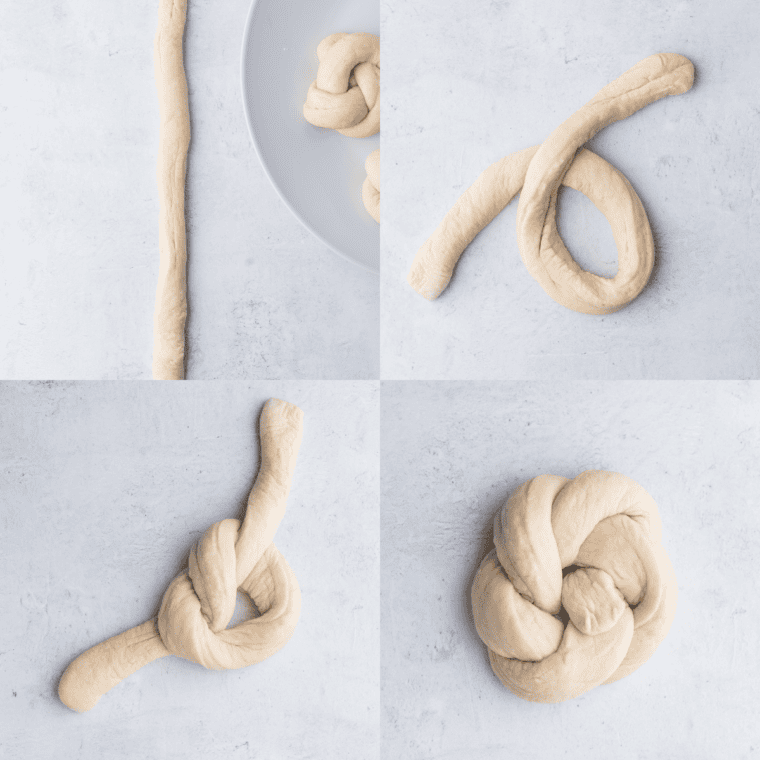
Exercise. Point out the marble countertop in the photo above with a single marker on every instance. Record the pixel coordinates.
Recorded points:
(470, 81)
(78, 189)
(105, 488)
(455, 451)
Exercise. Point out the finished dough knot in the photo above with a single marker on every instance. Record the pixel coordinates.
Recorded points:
(591, 548)
(346, 93)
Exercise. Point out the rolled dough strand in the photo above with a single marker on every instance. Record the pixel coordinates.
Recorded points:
(199, 603)
(371, 186)
(174, 140)
(536, 174)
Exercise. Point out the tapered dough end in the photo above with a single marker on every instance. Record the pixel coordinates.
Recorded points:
(429, 281)
(103, 666)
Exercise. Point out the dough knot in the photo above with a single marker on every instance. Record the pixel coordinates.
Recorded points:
(346, 93)
(200, 601)
(578, 590)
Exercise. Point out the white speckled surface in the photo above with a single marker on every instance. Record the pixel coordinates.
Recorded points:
(455, 451)
(469, 81)
(105, 487)
(78, 147)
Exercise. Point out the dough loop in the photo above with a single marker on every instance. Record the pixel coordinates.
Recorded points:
(371, 186)
(602, 532)
(536, 173)
(346, 93)
(200, 601)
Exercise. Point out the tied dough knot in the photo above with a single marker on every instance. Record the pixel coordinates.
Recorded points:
(346, 93)
(371, 186)
(602, 532)
(537, 173)
(199, 603)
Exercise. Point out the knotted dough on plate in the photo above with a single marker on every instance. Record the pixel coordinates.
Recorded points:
(200, 601)
(600, 530)
(537, 173)
(346, 93)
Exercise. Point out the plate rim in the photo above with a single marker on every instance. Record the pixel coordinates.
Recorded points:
(258, 150)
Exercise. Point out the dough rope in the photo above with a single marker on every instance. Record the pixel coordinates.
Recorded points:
(536, 173)
(200, 601)
(371, 186)
(346, 93)
(619, 590)
(174, 139)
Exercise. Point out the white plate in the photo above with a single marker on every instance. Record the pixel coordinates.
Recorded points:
(317, 172)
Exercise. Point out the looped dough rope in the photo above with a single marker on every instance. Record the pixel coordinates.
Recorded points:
(371, 186)
(199, 603)
(346, 93)
(536, 173)
(619, 592)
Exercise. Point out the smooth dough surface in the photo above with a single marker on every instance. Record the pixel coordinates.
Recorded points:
(371, 186)
(174, 139)
(591, 548)
(346, 93)
(537, 173)
(200, 601)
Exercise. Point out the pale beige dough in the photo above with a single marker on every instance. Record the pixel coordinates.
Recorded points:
(174, 139)
(620, 594)
(371, 186)
(199, 603)
(346, 93)
(537, 173)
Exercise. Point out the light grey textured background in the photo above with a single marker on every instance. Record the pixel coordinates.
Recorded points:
(469, 81)
(79, 220)
(452, 453)
(105, 487)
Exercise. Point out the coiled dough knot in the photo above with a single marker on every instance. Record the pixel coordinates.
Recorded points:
(200, 601)
(537, 173)
(371, 186)
(589, 549)
(346, 93)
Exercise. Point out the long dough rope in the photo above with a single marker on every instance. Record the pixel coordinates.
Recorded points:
(199, 603)
(536, 173)
(619, 589)
(171, 293)
(346, 97)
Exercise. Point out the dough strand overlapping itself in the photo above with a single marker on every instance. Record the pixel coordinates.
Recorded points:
(537, 173)
(346, 94)
(346, 97)
(590, 547)
(200, 601)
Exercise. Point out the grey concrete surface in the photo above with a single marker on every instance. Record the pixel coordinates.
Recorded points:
(78, 146)
(452, 453)
(467, 82)
(104, 489)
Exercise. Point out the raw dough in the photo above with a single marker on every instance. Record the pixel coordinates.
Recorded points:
(371, 186)
(619, 592)
(198, 605)
(346, 93)
(174, 140)
(536, 173)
